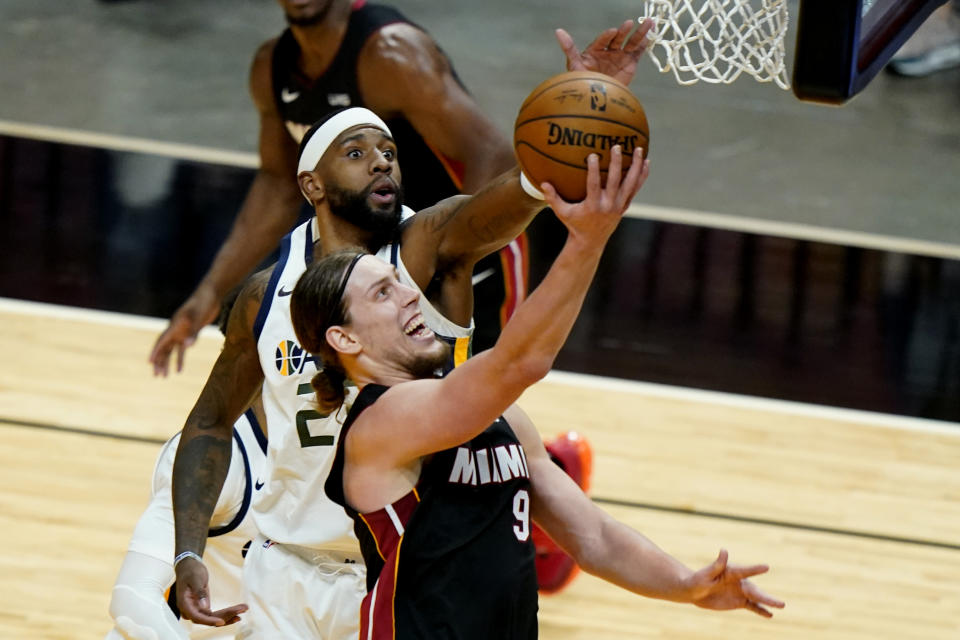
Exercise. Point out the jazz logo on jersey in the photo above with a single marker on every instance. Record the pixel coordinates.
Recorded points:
(290, 358)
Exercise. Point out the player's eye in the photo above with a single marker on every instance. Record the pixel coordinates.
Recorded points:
(354, 154)
(389, 154)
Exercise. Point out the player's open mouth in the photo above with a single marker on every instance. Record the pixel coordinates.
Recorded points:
(416, 328)
(384, 192)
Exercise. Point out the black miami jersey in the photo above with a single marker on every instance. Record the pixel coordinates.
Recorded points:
(453, 558)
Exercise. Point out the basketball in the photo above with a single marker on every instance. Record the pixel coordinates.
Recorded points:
(567, 118)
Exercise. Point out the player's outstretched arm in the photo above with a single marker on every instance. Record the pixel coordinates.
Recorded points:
(478, 391)
(613, 551)
(203, 456)
(268, 212)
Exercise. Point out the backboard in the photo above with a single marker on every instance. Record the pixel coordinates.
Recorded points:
(843, 44)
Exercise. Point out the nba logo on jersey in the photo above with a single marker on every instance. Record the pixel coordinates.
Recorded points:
(338, 99)
(290, 358)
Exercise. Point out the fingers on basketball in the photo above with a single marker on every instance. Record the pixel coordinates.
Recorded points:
(570, 116)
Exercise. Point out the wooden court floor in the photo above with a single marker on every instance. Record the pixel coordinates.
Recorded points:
(857, 514)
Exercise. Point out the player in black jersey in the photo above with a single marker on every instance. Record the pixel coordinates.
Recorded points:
(444, 476)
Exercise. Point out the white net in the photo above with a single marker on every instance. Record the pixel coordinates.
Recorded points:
(717, 40)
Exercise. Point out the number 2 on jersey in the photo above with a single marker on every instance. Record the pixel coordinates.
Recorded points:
(307, 439)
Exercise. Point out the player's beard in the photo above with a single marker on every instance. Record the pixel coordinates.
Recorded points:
(429, 365)
(354, 207)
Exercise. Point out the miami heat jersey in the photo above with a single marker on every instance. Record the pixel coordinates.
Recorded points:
(291, 507)
(453, 558)
(428, 176)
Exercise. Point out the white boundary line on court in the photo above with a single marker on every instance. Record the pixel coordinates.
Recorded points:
(123, 143)
(640, 211)
(869, 418)
(753, 403)
(794, 231)
(93, 316)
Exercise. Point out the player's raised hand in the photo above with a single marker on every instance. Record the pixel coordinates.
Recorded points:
(614, 52)
(597, 215)
(721, 586)
(193, 597)
(199, 310)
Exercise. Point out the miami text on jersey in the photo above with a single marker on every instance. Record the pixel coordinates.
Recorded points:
(498, 464)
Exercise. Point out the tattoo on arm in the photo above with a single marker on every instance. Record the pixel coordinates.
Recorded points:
(204, 461)
(489, 228)
(498, 219)
(203, 456)
(489, 225)
(442, 215)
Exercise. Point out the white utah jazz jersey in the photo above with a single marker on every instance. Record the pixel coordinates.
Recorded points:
(290, 506)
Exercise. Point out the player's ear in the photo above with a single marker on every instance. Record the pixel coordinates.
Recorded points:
(342, 340)
(311, 186)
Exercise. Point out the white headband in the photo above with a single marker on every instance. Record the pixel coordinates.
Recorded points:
(324, 136)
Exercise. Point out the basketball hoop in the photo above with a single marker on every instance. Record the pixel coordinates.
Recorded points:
(717, 40)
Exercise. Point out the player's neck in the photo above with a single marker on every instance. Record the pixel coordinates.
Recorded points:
(335, 233)
(320, 42)
(367, 371)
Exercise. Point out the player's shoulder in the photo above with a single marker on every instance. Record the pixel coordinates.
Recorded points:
(398, 43)
(261, 73)
(249, 300)
(256, 285)
(261, 65)
(240, 324)
(402, 32)
(264, 53)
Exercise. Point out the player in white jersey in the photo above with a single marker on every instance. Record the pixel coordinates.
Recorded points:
(139, 605)
(348, 172)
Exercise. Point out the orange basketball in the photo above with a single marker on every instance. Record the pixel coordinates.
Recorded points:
(567, 118)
